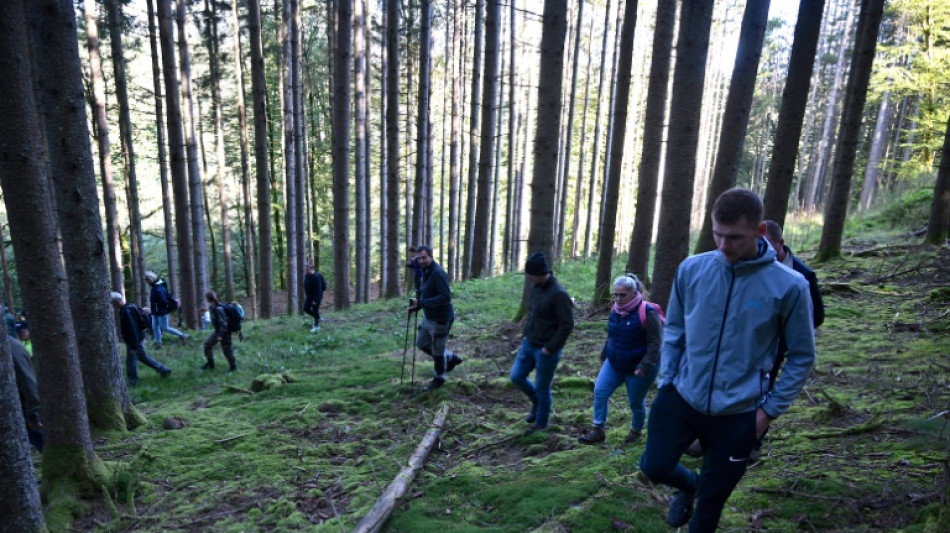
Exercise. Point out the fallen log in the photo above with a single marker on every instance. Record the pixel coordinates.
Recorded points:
(377, 516)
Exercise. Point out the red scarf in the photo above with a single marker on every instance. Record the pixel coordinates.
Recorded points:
(629, 307)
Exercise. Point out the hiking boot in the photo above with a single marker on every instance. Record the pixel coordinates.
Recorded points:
(632, 436)
(681, 509)
(232, 367)
(165, 372)
(208, 366)
(436, 383)
(695, 449)
(133, 382)
(184, 338)
(532, 414)
(455, 361)
(756, 452)
(157, 346)
(535, 428)
(594, 435)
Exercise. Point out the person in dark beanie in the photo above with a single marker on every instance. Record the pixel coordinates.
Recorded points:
(220, 332)
(549, 323)
(435, 300)
(134, 339)
(313, 287)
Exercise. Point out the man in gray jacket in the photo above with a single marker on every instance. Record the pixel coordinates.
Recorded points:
(727, 311)
(545, 331)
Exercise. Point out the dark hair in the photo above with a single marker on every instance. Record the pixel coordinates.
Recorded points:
(773, 230)
(424, 248)
(412, 249)
(211, 296)
(737, 204)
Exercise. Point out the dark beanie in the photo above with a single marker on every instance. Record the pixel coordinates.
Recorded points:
(537, 265)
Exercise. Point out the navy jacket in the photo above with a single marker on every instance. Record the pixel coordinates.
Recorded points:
(131, 334)
(313, 286)
(158, 298)
(435, 296)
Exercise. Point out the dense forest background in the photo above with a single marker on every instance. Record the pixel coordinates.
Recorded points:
(226, 144)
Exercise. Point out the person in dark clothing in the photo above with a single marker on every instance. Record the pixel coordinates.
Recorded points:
(134, 339)
(413, 264)
(10, 320)
(545, 331)
(219, 333)
(313, 287)
(435, 300)
(29, 396)
(160, 303)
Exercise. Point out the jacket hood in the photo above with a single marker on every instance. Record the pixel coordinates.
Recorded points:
(765, 255)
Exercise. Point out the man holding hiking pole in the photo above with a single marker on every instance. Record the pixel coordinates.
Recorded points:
(435, 300)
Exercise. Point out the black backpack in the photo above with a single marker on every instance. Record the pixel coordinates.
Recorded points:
(172, 301)
(234, 317)
(142, 320)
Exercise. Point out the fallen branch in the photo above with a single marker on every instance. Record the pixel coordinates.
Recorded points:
(229, 439)
(239, 389)
(377, 516)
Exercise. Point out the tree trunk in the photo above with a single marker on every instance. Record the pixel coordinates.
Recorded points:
(19, 496)
(195, 186)
(128, 151)
(213, 43)
(341, 155)
(105, 155)
(473, 144)
(70, 463)
(458, 62)
(579, 186)
(788, 131)
(171, 248)
(569, 138)
(543, 182)
(846, 147)
(360, 155)
(602, 284)
(938, 227)
(486, 154)
(59, 92)
(392, 151)
(250, 273)
(261, 158)
(288, 36)
(680, 169)
(736, 116)
(421, 208)
(827, 131)
(610, 121)
(872, 171)
(512, 135)
(638, 257)
(176, 142)
(7, 279)
(384, 205)
(300, 160)
(595, 158)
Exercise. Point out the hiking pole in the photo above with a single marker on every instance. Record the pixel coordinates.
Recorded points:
(415, 335)
(405, 348)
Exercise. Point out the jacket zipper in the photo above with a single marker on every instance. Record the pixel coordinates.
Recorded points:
(722, 327)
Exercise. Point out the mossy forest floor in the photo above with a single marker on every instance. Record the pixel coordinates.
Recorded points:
(865, 448)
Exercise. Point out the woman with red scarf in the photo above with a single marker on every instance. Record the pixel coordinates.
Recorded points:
(629, 356)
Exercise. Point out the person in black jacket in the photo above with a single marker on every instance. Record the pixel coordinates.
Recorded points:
(220, 332)
(545, 331)
(134, 339)
(313, 287)
(435, 300)
(161, 303)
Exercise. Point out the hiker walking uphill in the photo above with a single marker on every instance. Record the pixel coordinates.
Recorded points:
(549, 323)
(726, 313)
(132, 323)
(313, 287)
(162, 303)
(221, 329)
(435, 300)
(630, 356)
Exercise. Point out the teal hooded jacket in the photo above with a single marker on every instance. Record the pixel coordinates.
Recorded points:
(723, 326)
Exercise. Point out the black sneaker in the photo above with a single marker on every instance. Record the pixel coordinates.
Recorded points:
(681, 509)
(594, 435)
(532, 415)
(632, 436)
(165, 373)
(434, 384)
(232, 367)
(208, 366)
(455, 361)
(535, 428)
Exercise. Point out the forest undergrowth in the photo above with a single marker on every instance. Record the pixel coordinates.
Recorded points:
(330, 422)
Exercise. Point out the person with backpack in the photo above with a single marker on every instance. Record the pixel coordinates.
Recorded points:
(221, 329)
(133, 321)
(162, 303)
(630, 355)
(313, 287)
(727, 311)
(438, 315)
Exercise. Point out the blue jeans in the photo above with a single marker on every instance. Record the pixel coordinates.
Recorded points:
(637, 387)
(727, 441)
(160, 324)
(136, 353)
(532, 358)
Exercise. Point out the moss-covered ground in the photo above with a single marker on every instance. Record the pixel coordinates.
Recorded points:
(864, 449)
